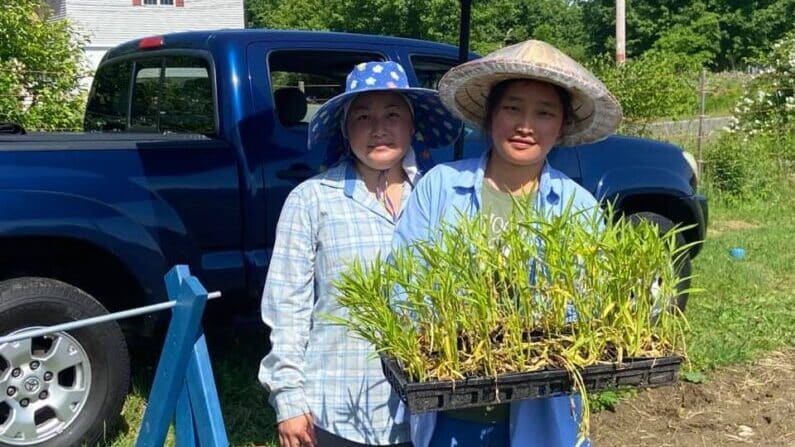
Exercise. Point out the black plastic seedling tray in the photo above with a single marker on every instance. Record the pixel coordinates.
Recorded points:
(480, 391)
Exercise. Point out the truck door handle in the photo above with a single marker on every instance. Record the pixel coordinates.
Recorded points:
(297, 171)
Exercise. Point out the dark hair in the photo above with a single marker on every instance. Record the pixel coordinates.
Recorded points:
(498, 91)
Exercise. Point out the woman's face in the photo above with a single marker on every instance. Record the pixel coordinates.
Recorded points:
(526, 122)
(379, 126)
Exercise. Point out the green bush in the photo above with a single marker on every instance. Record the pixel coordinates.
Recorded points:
(41, 62)
(11, 92)
(748, 169)
(654, 86)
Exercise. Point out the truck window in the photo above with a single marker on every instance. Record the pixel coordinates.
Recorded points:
(108, 105)
(429, 70)
(187, 105)
(169, 94)
(301, 81)
(173, 94)
(146, 91)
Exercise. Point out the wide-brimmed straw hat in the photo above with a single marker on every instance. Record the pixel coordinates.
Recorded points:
(597, 113)
(434, 125)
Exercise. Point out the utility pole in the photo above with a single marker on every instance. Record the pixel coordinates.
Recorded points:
(463, 56)
(620, 32)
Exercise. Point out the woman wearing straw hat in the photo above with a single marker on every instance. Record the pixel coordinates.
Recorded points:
(526, 98)
(324, 385)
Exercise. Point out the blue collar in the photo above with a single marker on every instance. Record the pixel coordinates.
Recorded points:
(473, 179)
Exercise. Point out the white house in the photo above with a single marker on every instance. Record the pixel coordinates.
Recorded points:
(108, 23)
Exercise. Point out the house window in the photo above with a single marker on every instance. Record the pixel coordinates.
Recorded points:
(159, 2)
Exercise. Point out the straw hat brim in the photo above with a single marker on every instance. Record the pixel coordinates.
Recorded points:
(597, 113)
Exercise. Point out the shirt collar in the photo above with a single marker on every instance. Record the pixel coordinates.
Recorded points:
(473, 179)
(343, 174)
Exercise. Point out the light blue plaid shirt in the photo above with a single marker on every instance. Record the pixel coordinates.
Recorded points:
(315, 366)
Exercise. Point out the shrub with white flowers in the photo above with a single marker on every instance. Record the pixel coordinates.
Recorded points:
(769, 105)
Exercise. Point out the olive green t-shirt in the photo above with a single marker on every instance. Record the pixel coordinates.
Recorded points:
(497, 206)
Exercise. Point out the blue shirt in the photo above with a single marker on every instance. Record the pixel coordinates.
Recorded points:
(451, 188)
(316, 366)
(442, 195)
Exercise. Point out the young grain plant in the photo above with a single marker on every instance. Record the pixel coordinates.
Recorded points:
(567, 291)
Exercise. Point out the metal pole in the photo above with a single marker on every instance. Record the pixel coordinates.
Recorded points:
(701, 105)
(33, 333)
(463, 56)
(620, 32)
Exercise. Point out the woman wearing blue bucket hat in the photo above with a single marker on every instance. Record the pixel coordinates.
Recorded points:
(325, 385)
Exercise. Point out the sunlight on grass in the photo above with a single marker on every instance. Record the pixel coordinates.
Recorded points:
(132, 414)
(748, 308)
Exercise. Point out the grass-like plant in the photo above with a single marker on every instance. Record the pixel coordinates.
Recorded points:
(567, 291)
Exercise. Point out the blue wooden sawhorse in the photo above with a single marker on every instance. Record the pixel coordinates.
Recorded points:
(184, 385)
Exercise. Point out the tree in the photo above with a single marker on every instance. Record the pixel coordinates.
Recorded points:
(696, 36)
(41, 62)
(751, 27)
(494, 22)
(726, 33)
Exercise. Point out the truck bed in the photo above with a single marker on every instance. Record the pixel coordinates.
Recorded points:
(57, 141)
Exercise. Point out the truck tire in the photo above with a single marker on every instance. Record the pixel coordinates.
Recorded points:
(683, 267)
(64, 389)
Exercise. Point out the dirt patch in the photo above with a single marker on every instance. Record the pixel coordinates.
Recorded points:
(735, 225)
(739, 405)
(731, 225)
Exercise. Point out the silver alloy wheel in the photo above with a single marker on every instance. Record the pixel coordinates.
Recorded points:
(44, 384)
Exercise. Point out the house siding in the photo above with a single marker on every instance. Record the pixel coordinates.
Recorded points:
(111, 22)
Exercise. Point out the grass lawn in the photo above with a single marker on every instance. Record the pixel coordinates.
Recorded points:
(746, 310)
(748, 307)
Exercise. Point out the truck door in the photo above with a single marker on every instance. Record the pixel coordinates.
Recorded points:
(193, 204)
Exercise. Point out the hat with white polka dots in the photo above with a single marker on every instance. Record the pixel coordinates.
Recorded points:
(434, 125)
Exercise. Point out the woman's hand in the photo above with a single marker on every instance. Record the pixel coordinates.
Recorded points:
(298, 431)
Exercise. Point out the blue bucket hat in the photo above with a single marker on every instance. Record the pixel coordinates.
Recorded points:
(434, 125)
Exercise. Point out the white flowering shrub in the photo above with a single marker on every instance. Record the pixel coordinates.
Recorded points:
(769, 105)
(750, 160)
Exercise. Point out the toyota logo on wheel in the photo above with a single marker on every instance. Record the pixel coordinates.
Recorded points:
(31, 384)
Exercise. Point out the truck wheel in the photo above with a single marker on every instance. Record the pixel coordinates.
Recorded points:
(683, 267)
(64, 389)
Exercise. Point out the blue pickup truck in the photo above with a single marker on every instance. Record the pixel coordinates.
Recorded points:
(192, 142)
